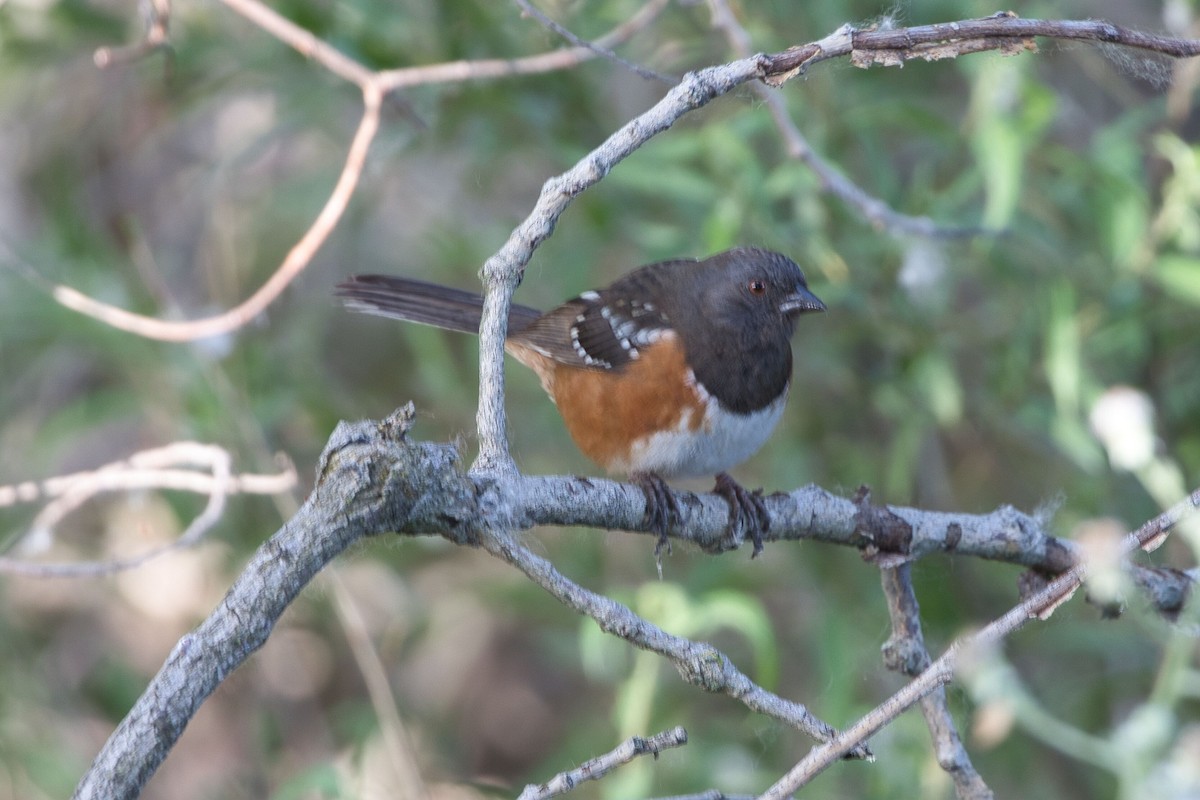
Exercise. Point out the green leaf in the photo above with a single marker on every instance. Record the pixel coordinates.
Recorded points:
(1179, 276)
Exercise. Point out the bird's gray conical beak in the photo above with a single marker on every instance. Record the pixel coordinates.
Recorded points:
(801, 301)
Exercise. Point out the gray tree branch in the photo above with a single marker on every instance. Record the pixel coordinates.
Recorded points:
(905, 652)
(698, 663)
(372, 479)
(1040, 605)
(596, 768)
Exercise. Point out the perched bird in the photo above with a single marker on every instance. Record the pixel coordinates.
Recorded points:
(678, 369)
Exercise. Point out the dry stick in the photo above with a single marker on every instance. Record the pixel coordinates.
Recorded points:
(485, 69)
(149, 469)
(1041, 604)
(372, 480)
(595, 47)
(374, 86)
(905, 652)
(699, 663)
(875, 211)
(596, 768)
(304, 42)
(402, 751)
(950, 39)
(294, 263)
(368, 480)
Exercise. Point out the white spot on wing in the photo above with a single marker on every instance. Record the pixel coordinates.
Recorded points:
(581, 351)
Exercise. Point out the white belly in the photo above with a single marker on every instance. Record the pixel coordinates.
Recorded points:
(720, 443)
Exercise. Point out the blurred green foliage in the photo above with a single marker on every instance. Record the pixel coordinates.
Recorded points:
(956, 374)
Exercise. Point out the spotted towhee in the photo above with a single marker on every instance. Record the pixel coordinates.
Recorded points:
(678, 369)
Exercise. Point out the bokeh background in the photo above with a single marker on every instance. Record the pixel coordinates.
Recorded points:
(949, 373)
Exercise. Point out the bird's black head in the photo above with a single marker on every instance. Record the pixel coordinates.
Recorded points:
(741, 311)
(762, 287)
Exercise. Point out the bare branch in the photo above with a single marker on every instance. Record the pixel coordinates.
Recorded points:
(293, 264)
(596, 768)
(875, 211)
(532, 10)
(302, 41)
(457, 71)
(371, 480)
(1007, 25)
(699, 663)
(1040, 605)
(363, 477)
(1002, 31)
(374, 86)
(808, 513)
(149, 469)
(905, 652)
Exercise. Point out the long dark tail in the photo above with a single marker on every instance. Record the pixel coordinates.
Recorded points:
(428, 303)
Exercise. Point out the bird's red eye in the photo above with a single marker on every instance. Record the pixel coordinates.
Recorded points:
(757, 287)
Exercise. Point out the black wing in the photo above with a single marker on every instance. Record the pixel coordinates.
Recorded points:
(602, 330)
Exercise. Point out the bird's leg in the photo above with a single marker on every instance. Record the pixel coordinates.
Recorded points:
(662, 512)
(745, 509)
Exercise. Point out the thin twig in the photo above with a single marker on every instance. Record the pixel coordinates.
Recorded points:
(1040, 605)
(374, 86)
(596, 768)
(649, 74)
(905, 652)
(149, 469)
(700, 664)
(875, 211)
(302, 41)
(485, 69)
(396, 738)
(293, 264)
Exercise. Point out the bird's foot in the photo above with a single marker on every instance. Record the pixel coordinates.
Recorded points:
(662, 512)
(746, 510)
